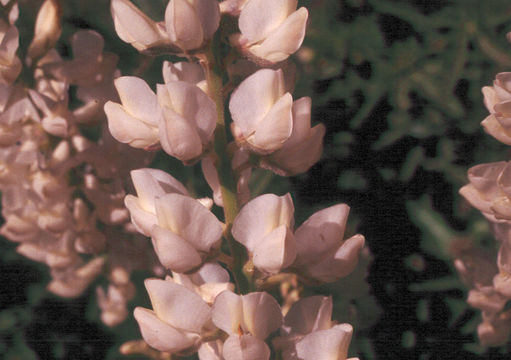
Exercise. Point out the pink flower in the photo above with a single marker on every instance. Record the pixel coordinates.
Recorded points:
(265, 226)
(248, 320)
(261, 110)
(149, 184)
(169, 326)
(271, 30)
(135, 120)
(302, 149)
(135, 27)
(188, 120)
(322, 253)
(186, 232)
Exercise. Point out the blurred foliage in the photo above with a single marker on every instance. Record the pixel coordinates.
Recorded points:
(397, 84)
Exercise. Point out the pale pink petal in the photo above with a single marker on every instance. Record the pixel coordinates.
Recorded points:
(292, 160)
(259, 19)
(254, 98)
(133, 26)
(211, 350)
(173, 251)
(208, 11)
(183, 25)
(261, 314)
(127, 129)
(309, 314)
(490, 98)
(161, 335)
(275, 251)
(142, 219)
(190, 219)
(275, 128)
(211, 176)
(227, 312)
(344, 261)
(286, 40)
(174, 304)
(194, 105)
(326, 344)
(493, 127)
(153, 183)
(179, 137)
(260, 216)
(322, 231)
(210, 273)
(138, 99)
(245, 347)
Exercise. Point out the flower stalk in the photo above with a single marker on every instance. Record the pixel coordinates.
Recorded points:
(214, 71)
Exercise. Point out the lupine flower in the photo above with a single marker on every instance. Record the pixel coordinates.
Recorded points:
(149, 184)
(265, 226)
(262, 112)
(489, 190)
(308, 332)
(302, 149)
(271, 30)
(169, 326)
(190, 22)
(135, 121)
(326, 344)
(497, 99)
(188, 120)
(135, 27)
(186, 232)
(248, 320)
(322, 253)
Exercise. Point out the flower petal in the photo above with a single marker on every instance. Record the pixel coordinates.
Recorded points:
(174, 303)
(190, 219)
(245, 347)
(160, 335)
(174, 252)
(260, 216)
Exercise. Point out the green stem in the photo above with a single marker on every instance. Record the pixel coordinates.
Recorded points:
(214, 70)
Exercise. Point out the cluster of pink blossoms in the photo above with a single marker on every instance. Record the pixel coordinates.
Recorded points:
(65, 195)
(58, 185)
(489, 190)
